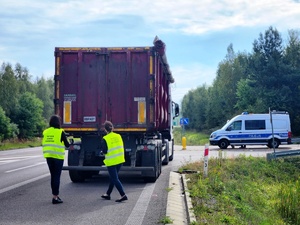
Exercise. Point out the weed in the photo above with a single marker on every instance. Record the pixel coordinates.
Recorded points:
(288, 204)
(168, 189)
(166, 220)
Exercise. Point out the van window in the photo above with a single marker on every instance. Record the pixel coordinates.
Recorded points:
(255, 124)
(236, 125)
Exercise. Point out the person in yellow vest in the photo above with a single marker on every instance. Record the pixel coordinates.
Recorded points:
(113, 148)
(54, 143)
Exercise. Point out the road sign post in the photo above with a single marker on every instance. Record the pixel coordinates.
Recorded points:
(206, 151)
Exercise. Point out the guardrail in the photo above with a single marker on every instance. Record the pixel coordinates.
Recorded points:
(280, 154)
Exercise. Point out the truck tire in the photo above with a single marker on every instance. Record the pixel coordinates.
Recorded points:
(166, 153)
(157, 161)
(171, 157)
(73, 160)
(76, 176)
(223, 144)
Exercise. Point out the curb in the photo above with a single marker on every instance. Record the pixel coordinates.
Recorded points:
(188, 201)
(179, 204)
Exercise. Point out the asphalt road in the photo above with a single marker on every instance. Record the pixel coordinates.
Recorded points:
(25, 194)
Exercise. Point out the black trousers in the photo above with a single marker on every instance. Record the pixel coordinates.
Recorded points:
(55, 168)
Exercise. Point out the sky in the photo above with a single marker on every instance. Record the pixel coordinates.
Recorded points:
(196, 32)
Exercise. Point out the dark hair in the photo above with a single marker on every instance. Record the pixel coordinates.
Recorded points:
(54, 121)
(108, 126)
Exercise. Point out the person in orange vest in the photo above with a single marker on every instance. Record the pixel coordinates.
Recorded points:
(113, 148)
(54, 144)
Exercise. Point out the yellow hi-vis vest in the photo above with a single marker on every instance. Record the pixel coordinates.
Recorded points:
(115, 149)
(52, 146)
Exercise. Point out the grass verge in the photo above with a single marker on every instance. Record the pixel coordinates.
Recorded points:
(17, 144)
(246, 190)
(193, 138)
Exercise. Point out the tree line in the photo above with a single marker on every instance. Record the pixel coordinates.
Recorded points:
(267, 78)
(25, 106)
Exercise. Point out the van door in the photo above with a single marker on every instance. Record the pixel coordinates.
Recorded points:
(234, 132)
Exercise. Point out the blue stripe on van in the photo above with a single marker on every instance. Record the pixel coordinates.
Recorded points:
(252, 136)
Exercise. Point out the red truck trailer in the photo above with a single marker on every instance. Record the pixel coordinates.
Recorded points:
(129, 86)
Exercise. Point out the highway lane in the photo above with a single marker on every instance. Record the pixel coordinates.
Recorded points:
(20, 166)
(25, 194)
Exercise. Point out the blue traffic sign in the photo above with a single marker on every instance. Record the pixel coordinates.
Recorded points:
(184, 121)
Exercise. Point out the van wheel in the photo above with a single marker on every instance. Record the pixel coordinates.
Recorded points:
(276, 143)
(223, 144)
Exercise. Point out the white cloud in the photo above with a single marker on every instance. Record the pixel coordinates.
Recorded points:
(190, 77)
(188, 16)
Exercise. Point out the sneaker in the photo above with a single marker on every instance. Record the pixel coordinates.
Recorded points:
(56, 201)
(105, 196)
(122, 199)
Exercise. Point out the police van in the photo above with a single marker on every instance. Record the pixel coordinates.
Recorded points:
(254, 129)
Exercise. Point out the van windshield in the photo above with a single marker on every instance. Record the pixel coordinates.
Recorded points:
(228, 123)
(236, 125)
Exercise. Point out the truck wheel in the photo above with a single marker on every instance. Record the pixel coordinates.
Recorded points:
(73, 160)
(276, 143)
(166, 153)
(155, 173)
(159, 159)
(223, 144)
(171, 157)
(76, 176)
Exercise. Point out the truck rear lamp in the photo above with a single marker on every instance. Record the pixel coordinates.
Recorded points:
(145, 147)
(77, 147)
(150, 147)
(74, 147)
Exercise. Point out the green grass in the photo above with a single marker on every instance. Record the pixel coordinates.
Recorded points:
(17, 144)
(166, 220)
(28, 143)
(246, 190)
(193, 138)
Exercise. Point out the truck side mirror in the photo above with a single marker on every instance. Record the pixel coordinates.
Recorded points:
(176, 110)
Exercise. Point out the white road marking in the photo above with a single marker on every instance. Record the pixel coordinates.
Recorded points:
(22, 183)
(19, 157)
(16, 159)
(8, 161)
(25, 167)
(137, 215)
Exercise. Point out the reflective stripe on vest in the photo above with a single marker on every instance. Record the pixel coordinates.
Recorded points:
(115, 149)
(52, 146)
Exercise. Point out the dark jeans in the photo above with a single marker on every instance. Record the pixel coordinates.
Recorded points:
(55, 167)
(114, 179)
